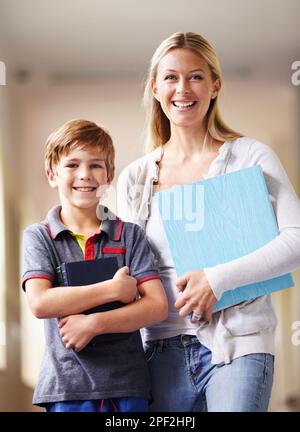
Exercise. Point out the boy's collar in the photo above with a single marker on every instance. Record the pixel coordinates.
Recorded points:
(111, 224)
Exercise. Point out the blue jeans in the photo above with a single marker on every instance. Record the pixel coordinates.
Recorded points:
(124, 404)
(184, 379)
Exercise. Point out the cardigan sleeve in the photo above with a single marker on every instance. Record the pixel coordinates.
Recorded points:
(124, 205)
(279, 256)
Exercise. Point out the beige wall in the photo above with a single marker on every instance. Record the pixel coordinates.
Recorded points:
(114, 104)
(10, 377)
(2, 231)
(262, 110)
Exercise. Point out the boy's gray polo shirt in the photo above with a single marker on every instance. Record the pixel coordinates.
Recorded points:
(110, 369)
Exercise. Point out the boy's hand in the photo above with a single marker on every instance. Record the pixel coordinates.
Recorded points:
(76, 331)
(125, 285)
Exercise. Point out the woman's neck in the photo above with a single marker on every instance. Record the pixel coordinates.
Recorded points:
(185, 144)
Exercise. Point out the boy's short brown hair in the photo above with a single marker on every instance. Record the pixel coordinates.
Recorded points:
(79, 134)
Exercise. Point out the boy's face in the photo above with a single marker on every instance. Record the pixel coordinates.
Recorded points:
(78, 176)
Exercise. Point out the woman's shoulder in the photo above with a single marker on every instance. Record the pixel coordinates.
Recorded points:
(250, 150)
(141, 166)
(251, 144)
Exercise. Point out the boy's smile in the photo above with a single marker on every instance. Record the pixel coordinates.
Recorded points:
(84, 188)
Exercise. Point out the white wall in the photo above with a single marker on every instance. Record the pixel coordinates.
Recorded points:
(269, 112)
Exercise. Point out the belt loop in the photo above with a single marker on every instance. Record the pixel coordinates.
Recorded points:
(185, 339)
(159, 346)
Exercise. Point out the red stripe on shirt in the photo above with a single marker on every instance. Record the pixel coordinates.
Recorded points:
(147, 278)
(119, 230)
(112, 250)
(35, 276)
(89, 251)
(47, 226)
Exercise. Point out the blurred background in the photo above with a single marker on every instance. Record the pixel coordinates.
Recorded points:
(88, 59)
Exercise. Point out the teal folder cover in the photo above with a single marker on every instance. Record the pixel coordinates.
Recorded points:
(217, 220)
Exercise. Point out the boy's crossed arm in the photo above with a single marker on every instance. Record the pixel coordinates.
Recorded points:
(77, 330)
(46, 301)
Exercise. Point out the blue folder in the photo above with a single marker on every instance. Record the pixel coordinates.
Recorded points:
(217, 220)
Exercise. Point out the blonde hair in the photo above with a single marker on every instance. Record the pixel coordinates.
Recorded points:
(158, 125)
(79, 134)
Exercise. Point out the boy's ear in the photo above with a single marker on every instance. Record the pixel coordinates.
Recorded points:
(51, 178)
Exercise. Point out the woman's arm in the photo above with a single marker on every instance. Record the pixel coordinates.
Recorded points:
(281, 255)
(201, 289)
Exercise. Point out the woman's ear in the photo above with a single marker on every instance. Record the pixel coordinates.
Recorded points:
(216, 88)
(154, 90)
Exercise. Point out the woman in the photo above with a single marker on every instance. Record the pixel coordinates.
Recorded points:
(210, 362)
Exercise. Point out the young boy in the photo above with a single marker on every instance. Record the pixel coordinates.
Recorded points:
(77, 375)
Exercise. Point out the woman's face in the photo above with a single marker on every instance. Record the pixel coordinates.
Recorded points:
(184, 87)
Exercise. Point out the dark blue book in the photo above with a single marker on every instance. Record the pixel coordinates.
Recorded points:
(87, 272)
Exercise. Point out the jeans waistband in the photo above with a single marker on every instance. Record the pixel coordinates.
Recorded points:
(180, 340)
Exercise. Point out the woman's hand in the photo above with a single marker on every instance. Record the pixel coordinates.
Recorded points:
(76, 331)
(195, 295)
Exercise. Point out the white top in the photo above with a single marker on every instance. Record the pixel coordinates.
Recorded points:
(248, 327)
(157, 239)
